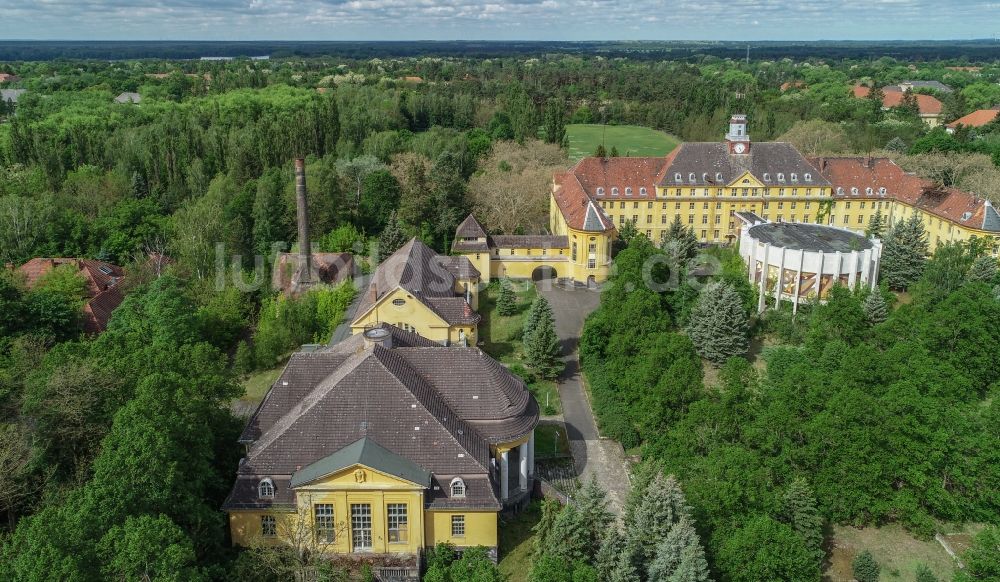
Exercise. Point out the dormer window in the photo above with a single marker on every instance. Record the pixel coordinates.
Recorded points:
(781, 177)
(614, 191)
(718, 176)
(795, 177)
(809, 177)
(457, 487)
(677, 177)
(854, 191)
(869, 191)
(881, 191)
(691, 177)
(643, 191)
(704, 177)
(767, 177)
(265, 489)
(840, 190)
(600, 191)
(628, 191)
(966, 215)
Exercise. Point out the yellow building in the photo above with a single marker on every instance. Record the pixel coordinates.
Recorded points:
(421, 291)
(385, 444)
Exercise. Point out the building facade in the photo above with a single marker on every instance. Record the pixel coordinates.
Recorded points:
(421, 291)
(385, 444)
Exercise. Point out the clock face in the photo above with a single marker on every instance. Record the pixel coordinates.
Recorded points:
(739, 148)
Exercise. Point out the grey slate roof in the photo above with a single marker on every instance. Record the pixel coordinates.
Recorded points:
(470, 228)
(426, 275)
(11, 95)
(480, 493)
(991, 219)
(365, 452)
(128, 97)
(437, 408)
(936, 85)
(593, 222)
(706, 160)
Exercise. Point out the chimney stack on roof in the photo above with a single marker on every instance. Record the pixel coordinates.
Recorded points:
(302, 211)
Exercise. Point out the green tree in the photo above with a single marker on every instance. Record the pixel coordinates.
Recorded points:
(148, 548)
(614, 152)
(343, 239)
(896, 145)
(600, 151)
(876, 309)
(765, 549)
(555, 125)
(475, 565)
(904, 253)
(663, 505)
(541, 344)
(983, 270)
(865, 568)
(627, 232)
(876, 225)
(982, 559)
(270, 225)
(507, 300)
(356, 170)
(392, 238)
(380, 197)
(680, 557)
(924, 574)
(718, 325)
(800, 511)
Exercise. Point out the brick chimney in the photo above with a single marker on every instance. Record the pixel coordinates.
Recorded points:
(304, 267)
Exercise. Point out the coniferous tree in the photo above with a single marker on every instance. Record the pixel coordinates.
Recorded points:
(625, 569)
(392, 238)
(541, 344)
(876, 310)
(983, 270)
(614, 152)
(904, 253)
(592, 505)
(600, 152)
(876, 226)
(679, 242)
(910, 105)
(612, 546)
(924, 574)
(718, 325)
(662, 506)
(507, 301)
(896, 145)
(800, 511)
(680, 555)
(543, 529)
(865, 568)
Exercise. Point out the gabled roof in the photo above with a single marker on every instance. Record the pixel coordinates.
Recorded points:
(927, 104)
(367, 452)
(470, 228)
(426, 275)
(573, 201)
(977, 118)
(128, 97)
(101, 278)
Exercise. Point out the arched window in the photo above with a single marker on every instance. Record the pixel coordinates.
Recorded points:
(691, 177)
(809, 177)
(677, 177)
(614, 191)
(840, 190)
(718, 176)
(868, 190)
(704, 177)
(781, 177)
(795, 177)
(642, 192)
(767, 177)
(600, 191)
(457, 487)
(882, 190)
(265, 489)
(854, 190)
(628, 191)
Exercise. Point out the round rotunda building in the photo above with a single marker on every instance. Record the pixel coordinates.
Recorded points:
(802, 262)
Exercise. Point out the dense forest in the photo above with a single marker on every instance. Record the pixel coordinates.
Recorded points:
(119, 449)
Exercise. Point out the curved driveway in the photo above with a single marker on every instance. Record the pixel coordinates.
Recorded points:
(602, 459)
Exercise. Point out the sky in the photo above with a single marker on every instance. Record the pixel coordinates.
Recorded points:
(498, 19)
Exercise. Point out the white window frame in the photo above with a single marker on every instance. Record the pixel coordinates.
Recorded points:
(457, 487)
(265, 489)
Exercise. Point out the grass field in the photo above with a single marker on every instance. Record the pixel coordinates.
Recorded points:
(896, 551)
(517, 544)
(631, 140)
(501, 337)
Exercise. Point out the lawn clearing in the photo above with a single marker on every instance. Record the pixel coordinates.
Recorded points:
(551, 440)
(255, 387)
(631, 140)
(501, 338)
(517, 543)
(896, 551)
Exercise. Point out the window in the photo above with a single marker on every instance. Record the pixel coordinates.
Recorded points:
(847, 204)
(399, 302)
(845, 220)
(861, 220)
(690, 219)
(795, 177)
(704, 206)
(718, 206)
(767, 177)
(268, 526)
(642, 192)
(809, 177)
(265, 489)
(635, 219)
(854, 191)
(869, 191)
(862, 204)
(717, 219)
(628, 191)
(458, 526)
(323, 514)
(677, 206)
(781, 177)
(793, 203)
(361, 527)
(703, 234)
(691, 177)
(677, 177)
(614, 191)
(592, 263)
(649, 219)
(622, 205)
(882, 190)
(457, 484)
(718, 176)
(840, 191)
(704, 219)
(573, 257)
(600, 191)
(664, 206)
(635, 205)
(396, 517)
(691, 206)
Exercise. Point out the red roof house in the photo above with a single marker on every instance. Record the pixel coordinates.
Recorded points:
(103, 286)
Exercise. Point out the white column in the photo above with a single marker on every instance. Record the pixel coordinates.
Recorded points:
(876, 263)
(852, 277)
(504, 476)
(781, 277)
(531, 454)
(762, 295)
(798, 283)
(522, 455)
(819, 276)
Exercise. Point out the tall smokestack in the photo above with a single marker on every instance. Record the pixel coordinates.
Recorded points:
(302, 211)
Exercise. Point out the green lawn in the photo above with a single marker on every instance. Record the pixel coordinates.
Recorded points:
(896, 551)
(631, 140)
(256, 385)
(551, 440)
(501, 338)
(517, 544)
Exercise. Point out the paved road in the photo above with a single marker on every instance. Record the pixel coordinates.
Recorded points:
(594, 457)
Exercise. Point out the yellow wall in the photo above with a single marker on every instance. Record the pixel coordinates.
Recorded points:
(480, 528)
(415, 316)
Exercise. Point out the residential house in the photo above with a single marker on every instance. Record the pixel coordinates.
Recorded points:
(975, 119)
(929, 107)
(103, 286)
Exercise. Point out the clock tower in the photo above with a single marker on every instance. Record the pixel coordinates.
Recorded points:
(738, 138)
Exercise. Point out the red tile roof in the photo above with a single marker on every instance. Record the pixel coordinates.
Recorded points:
(927, 104)
(102, 284)
(852, 177)
(977, 118)
(620, 173)
(573, 201)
